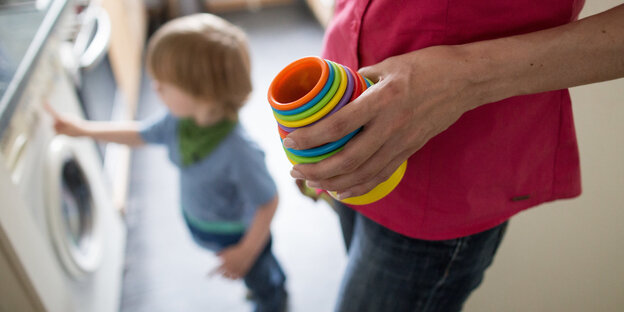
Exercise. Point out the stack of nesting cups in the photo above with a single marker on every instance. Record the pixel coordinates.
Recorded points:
(309, 90)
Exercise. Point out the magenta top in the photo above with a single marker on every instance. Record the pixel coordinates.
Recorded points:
(496, 160)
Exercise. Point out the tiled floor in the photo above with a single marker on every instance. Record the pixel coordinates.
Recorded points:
(165, 271)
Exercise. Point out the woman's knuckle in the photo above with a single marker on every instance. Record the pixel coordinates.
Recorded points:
(359, 190)
(381, 178)
(331, 186)
(337, 127)
(366, 176)
(350, 163)
(312, 176)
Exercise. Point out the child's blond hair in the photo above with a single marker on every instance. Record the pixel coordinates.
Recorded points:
(205, 56)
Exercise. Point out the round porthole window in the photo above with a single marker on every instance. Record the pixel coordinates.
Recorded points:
(72, 212)
(77, 206)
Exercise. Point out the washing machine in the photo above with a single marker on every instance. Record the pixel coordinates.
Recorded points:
(61, 240)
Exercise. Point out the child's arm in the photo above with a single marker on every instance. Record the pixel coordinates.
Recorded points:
(122, 132)
(238, 259)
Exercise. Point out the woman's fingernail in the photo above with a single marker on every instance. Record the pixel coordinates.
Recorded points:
(313, 184)
(296, 174)
(289, 143)
(344, 195)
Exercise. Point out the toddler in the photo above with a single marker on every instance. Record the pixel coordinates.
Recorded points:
(201, 70)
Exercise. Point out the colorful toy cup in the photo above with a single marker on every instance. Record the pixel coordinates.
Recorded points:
(310, 89)
(380, 191)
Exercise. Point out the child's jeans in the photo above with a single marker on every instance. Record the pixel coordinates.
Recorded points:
(387, 271)
(265, 278)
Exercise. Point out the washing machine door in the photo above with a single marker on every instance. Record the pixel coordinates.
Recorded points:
(71, 208)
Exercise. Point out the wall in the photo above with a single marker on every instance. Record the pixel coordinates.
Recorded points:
(567, 255)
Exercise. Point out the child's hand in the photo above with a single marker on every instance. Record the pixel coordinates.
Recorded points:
(305, 190)
(69, 126)
(314, 194)
(235, 262)
(64, 124)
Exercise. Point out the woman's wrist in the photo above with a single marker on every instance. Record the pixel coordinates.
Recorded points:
(484, 74)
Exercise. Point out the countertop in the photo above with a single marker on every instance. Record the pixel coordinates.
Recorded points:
(24, 30)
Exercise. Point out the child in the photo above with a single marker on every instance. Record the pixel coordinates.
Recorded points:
(201, 70)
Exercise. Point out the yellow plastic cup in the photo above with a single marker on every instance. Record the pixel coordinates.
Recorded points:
(379, 192)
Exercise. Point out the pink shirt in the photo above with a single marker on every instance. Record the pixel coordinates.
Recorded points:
(496, 160)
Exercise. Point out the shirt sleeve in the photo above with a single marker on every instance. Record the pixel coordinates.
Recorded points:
(158, 129)
(252, 177)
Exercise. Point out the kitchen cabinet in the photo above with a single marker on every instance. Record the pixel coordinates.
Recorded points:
(129, 24)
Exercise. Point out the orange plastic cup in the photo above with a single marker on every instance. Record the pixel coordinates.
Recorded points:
(363, 82)
(298, 83)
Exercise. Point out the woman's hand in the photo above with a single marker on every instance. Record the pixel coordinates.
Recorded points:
(417, 96)
(236, 261)
(421, 93)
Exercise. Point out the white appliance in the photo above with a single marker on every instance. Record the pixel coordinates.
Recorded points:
(61, 240)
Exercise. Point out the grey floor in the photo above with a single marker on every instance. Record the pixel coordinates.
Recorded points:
(164, 270)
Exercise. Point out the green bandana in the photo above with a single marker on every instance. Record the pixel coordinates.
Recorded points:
(197, 142)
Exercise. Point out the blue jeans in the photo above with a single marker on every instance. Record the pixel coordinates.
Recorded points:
(265, 279)
(387, 271)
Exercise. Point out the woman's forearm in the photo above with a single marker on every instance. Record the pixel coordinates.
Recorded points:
(586, 51)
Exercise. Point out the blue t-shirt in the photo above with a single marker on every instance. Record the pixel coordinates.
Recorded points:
(224, 188)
